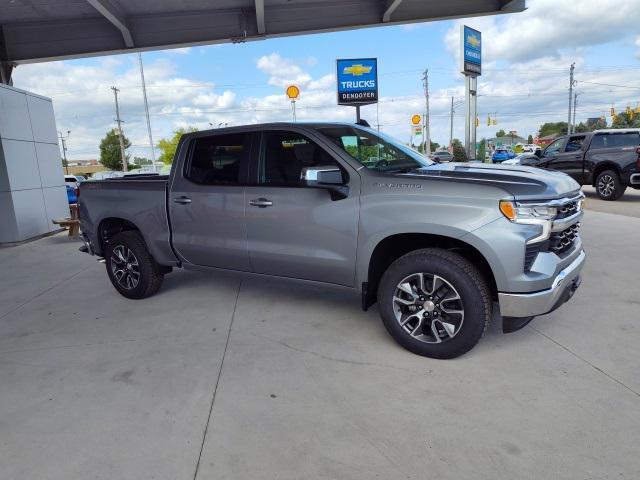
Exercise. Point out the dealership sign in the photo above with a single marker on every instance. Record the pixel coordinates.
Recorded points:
(471, 44)
(357, 81)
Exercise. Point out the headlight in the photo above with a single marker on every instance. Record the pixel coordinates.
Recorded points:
(541, 215)
(522, 213)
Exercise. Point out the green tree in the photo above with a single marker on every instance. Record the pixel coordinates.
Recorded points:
(459, 153)
(168, 145)
(482, 150)
(628, 119)
(530, 139)
(434, 146)
(141, 161)
(110, 155)
(501, 133)
(552, 128)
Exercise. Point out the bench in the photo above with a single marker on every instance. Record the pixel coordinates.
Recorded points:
(73, 222)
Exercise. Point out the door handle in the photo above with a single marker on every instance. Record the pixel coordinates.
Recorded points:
(182, 200)
(261, 202)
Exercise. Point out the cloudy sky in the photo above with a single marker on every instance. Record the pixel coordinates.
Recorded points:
(524, 82)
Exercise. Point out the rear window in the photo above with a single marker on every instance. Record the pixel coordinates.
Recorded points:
(612, 140)
(216, 160)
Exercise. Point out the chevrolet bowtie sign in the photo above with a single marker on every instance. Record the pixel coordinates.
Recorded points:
(357, 81)
(471, 44)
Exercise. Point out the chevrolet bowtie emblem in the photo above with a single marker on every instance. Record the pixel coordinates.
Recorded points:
(357, 70)
(473, 41)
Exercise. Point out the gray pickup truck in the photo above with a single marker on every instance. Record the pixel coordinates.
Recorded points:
(435, 245)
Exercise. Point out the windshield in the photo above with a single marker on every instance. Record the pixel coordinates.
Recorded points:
(375, 151)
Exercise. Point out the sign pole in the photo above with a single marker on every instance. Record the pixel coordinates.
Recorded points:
(357, 113)
(470, 67)
(467, 113)
(474, 114)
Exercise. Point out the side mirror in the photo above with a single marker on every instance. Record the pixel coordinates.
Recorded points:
(328, 177)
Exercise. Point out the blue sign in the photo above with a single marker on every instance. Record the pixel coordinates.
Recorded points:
(471, 51)
(357, 81)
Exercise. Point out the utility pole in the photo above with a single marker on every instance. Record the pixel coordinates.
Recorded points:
(570, 96)
(64, 149)
(146, 111)
(120, 134)
(451, 124)
(427, 133)
(575, 102)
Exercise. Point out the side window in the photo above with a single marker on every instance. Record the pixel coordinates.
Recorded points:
(216, 160)
(554, 147)
(574, 144)
(611, 140)
(285, 154)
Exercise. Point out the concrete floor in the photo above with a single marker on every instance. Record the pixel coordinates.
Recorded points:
(225, 378)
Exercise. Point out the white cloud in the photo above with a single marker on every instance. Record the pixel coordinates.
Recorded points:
(549, 27)
(282, 71)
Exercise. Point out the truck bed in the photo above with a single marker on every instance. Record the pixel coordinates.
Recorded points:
(139, 199)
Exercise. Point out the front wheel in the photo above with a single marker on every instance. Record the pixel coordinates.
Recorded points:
(434, 303)
(609, 186)
(131, 268)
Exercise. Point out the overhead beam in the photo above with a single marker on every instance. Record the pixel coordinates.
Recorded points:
(108, 11)
(5, 67)
(514, 6)
(36, 41)
(260, 17)
(390, 9)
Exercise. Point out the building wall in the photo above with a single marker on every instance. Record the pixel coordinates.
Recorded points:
(32, 190)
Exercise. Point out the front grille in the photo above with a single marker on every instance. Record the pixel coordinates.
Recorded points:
(530, 255)
(561, 242)
(567, 209)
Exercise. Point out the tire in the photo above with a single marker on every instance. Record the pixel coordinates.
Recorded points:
(141, 275)
(443, 273)
(609, 186)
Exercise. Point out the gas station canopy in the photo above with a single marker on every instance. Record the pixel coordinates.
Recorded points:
(42, 30)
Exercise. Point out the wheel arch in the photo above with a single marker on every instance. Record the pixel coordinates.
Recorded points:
(601, 167)
(394, 246)
(110, 226)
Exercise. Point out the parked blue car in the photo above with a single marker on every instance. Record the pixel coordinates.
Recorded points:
(502, 154)
(71, 195)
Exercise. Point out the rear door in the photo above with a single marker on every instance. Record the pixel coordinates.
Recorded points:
(294, 230)
(207, 201)
(569, 158)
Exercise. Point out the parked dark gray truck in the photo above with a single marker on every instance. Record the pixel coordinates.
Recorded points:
(434, 245)
(607, 159)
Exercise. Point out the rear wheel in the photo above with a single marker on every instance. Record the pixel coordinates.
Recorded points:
(434, 303)
(131, 268)
(609, 186)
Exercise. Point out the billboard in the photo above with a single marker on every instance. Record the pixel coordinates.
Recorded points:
(357, 81)
(471, 44)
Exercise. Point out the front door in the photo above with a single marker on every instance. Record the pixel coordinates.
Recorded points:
(570, 157)
(207, 202)
(294, 230)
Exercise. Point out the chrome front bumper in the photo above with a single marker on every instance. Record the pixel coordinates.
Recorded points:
(539, 303)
